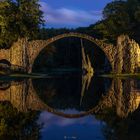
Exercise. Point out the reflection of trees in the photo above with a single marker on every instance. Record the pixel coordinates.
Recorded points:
(123, 96)
(121, 112)
(15, 125)
(117, 128)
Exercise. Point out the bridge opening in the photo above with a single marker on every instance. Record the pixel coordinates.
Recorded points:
(66, 53)
(5, 62)
(5, 66)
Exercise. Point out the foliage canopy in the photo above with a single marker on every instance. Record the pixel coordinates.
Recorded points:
(120, 17)
(19, 18)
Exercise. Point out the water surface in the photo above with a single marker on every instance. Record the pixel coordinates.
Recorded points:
(67, 107)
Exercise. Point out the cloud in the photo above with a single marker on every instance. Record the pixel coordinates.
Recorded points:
(57, 127)
(49, 119)
(64, 17)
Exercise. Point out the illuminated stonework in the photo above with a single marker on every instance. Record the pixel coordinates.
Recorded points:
(124, 58)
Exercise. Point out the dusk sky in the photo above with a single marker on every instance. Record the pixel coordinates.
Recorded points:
(72, 13)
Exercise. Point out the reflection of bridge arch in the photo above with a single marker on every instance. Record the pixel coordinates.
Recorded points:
(23, 97)
(38, 104)
(121, 96)
(35, 47)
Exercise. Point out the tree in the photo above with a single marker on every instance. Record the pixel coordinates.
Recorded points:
(19, 18)
(133, 8)
(120, 17)
(15, 125)
(116, 20)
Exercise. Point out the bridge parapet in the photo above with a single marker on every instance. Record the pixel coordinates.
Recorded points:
(34, 47)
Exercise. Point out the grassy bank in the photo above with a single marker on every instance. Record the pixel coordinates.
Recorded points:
(22, 75)
(124, 75)
(38, 75)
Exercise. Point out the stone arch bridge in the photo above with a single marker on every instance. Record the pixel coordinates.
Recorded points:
(23, 52)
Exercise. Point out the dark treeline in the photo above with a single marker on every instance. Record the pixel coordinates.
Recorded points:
(120, 17)
(45, 33)
(118, 128)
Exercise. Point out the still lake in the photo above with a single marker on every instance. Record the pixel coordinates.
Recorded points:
(69, 108)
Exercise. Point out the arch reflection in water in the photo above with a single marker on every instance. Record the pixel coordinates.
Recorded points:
(63, 94)
(116, 105)
(86, 80)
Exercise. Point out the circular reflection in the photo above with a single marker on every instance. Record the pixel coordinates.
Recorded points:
(71, 96)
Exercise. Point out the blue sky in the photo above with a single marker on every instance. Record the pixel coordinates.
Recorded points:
(72, 13)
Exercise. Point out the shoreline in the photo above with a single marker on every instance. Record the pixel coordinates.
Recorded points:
(123, 75)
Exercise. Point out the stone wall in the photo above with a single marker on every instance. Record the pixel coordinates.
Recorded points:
(5, 54)
(22, 96)
(122, 96)
(127, 57)
(19, 53)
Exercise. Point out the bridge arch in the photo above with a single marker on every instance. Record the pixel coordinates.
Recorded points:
(36, 46)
